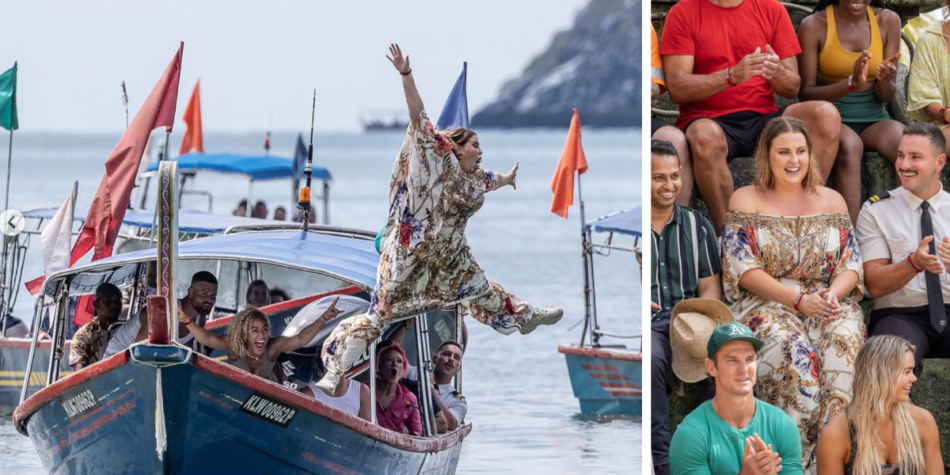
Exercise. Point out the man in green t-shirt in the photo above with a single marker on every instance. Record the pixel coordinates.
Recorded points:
(734, 433)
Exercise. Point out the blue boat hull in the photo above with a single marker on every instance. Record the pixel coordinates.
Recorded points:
(605, 381)
(14, 353)
(217, 419)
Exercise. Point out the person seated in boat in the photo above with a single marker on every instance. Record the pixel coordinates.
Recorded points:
(197, 304)
(248, 341)
(280, 214)
(685, 264)
(436, 187)
(397, 408)
(90, 342)
(258, 295)
(734, 433)
(260, 210)
(278, 295)
(350, 396)
(881, 431)
(241, 209)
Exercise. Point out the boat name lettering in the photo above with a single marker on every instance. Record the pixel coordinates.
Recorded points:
(268, 409)
(80, 404)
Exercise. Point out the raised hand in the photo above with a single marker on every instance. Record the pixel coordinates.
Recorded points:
(861, 70)
(943, 250)
(399, 62)
(750, 66)
(759, 462)
(887, 70)
(772, 64)
(513, 176)
(331, 312)
(923, 259)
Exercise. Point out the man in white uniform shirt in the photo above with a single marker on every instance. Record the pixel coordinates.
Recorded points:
(904, 236)
(447, 362)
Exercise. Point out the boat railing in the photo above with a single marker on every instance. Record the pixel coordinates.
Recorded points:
(314, 228)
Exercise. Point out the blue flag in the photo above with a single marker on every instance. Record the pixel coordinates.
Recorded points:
(300, 157)
(455, 112)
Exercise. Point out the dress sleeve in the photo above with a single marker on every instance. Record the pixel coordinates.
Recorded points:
(413, 423)
(849, 259)
(924, 81)
(688, 452)
(740, 252)
(489, 178)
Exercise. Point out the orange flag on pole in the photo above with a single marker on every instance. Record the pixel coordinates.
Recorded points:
(572, 160)
(194, 138)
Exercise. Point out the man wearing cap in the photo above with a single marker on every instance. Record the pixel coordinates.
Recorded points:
(734, 433)
(904, 237)
(685, 264)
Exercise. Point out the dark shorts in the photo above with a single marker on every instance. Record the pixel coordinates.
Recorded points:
(656, 124)
(742, 130)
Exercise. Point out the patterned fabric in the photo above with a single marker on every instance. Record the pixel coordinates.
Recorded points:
(425, 261)
(681, 256)
(88, 344)
(929, 80)
(805, 367)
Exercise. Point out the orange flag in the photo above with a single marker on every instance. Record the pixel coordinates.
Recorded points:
(572, 160)
(193, 139)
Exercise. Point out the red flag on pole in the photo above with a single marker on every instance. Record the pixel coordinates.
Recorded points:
(194, 137)
(112, 198)
(572, 160)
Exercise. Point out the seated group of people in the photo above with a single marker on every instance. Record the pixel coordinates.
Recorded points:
(250, 347)
(786, 260)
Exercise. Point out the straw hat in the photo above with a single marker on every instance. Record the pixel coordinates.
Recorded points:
(691, 325)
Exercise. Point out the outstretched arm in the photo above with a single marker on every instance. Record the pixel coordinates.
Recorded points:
(413, 100)
(283, 344)
(203, 336)
(509, 178)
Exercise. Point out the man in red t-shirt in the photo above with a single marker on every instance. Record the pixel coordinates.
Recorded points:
(723, 60)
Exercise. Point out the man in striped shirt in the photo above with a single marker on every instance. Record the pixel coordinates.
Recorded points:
(685, 264)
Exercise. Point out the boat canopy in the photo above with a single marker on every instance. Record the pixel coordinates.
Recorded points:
(349, 258)
(623, 222)
(255, 167)
(189, 221)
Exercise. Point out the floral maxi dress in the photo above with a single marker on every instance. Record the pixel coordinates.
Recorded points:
(425, 261)
(805, 367)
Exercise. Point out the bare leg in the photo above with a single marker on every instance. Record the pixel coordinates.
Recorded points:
(847, 166)
(946, 136)
(883, 137)
(678, 139)
(710, 151)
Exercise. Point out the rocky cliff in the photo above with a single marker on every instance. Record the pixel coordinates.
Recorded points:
(594, 66)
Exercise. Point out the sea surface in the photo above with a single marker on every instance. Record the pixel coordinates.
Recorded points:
(524, 415)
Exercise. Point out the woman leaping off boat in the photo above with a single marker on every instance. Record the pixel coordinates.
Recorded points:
(425, 262)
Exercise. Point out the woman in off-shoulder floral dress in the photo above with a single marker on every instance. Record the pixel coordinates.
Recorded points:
(425, 261)
(792, 273)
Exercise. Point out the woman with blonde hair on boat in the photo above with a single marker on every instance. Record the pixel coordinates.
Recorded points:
(248, 340)
(792, 273)
(425, 262)
(881, 432)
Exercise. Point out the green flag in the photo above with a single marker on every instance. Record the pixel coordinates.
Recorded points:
(8, 118)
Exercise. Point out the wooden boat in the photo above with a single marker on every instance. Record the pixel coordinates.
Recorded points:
(606, 378)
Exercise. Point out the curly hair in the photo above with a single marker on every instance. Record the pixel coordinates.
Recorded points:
(241, 325)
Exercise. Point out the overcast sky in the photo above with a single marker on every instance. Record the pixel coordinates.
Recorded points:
(259, 61)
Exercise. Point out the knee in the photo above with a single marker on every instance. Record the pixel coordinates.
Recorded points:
(672, 135)
(708, 142)
(822, 118)
(850, 150)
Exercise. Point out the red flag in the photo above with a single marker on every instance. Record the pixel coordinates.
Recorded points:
(194, 138)
(112, 198)
(572, 160)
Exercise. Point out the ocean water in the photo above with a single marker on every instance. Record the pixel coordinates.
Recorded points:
(524, 415)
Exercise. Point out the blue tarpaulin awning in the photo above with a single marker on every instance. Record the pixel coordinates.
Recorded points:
(628, 222)
(255, 167)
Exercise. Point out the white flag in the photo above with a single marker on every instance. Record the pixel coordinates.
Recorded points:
(57, 236)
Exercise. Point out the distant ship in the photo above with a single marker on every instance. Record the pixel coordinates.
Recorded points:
(384, 121)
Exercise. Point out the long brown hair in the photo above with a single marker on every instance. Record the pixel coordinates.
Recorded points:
(877, 370)
(764, 180)
(241, 325)
(458, 137)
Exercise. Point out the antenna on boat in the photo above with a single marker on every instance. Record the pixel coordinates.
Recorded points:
(303, 204)
(125, 102)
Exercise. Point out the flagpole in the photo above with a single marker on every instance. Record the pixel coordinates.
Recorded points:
(3, 280)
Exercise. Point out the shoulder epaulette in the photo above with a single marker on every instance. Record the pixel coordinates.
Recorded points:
(458, 394)
(880, 196)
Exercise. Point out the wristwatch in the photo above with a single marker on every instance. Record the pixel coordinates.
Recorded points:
(851, 84)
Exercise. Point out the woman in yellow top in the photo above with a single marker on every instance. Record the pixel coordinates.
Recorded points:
(849, 57)
(928, 95)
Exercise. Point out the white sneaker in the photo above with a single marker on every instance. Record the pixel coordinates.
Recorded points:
(542, 316)
(329, 382)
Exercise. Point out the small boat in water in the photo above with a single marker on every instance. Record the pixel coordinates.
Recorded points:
(163, 408)
(606, 378)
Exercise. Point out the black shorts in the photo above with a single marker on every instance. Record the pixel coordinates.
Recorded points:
(742, 130)
(656, 124)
